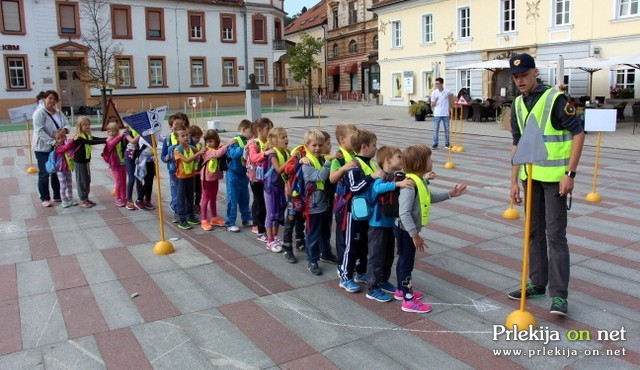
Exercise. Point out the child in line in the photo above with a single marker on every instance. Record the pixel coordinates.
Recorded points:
(413, 215)
(186, 157)
(64, 166)
(169, 141)
(237, 181)
(381, 240)
(113, 154)
(315, 176)
(293, 221)
(82, 157)
(354, 260)
(256, 168)
(131, 153)
(210, 173)
(145, 171)
(327, 256)
(344, 132)
(275, 201)
(195, 133)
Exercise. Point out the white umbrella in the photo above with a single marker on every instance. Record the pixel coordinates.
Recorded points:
(632, 61)
(589, 65)
(494, 64)
(560, 71)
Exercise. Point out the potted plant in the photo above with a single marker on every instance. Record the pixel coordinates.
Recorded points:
(418, 110)
(626, 94)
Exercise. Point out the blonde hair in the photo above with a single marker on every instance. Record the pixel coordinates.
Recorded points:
(113, 126)
(362, 137)
(80, 121)
(275, 134)
(415, 159)
(60, 134)
(313, 135)
(344, 129)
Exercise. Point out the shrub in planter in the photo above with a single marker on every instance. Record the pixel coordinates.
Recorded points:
(626, 94)
(418, 110)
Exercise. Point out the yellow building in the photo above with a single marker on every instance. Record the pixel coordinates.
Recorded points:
(420, 40)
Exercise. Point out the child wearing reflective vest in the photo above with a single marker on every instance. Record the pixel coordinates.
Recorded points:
(113, 154)
(195, 135)
(64, 166)
(82, 156)
(274, 196)
(315, 170)
(186, 157)
(131, 153)
(256, 163)
(237, 182)
(354, 261)
(210, 175)
(175, 122)
(414, 205)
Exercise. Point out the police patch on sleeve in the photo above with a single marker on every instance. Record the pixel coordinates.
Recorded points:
(569, 110)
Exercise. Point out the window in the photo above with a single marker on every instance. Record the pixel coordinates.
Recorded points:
(68, 19)
(335, 19)
(157, 76)
(334, 50)
(353, 46)
(465, 79)
(375, 42)
(353, 12)
(277, 72)
(508, 15)
(259, 30)
(124, 71)
(464, 22)
(17, 73)
(12, 19)
(396, 84)
(229, 71)
(260, 71)
(561, 12)
(396, 34)
(196, 26)
(227, 28)
(625, 78)
(198, 71)
(121, 21)
(155, 23)
(627, 8)
(427, 83)
(427, 28)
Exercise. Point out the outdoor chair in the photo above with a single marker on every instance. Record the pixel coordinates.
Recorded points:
(620, 110)
(636, 116)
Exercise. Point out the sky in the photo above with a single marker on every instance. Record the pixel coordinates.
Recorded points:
(293, 6)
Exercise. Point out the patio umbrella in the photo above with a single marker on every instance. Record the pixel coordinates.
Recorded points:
(632, 61)
(494, 64)
(589, 65)
(559, 71)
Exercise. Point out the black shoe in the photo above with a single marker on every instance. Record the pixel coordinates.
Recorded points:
(533, 291)
(289, 256)
(447, 146)
(314, 268)
(176, 219)
(434, 147)
(247, 223)
(193, 221)
(300, 245)
(184, 225)
(329, 258)
(559, 306)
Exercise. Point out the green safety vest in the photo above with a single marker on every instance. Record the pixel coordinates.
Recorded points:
(367, 169)
(347, 155)
(316, 164)
(557, 142)
(87, 147)
(212, 166)
(424, 196)
(188, 167)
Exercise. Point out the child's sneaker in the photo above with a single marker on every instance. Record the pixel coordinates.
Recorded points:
(149, 206)
(193, 220)
(176, 219)
(378, 295)
(289, 256)
(233, 229)
(360, 278)
(247, 224)
(66, 204)
(56, 200)
(399, 296)
(300, 244)
(262, 238)
(254, 229)
(139, 204)
(130, 206)
(73, 202)
(184, 225)
(349, 285)
(206, 226)
(216, 222)
(415, 305)
(532, 291)
(387, 287)
(274, 247)
(85, 204)
(93, 204)
(46, 203)
(314, 269)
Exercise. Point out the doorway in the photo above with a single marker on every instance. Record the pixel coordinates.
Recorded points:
(71, 87)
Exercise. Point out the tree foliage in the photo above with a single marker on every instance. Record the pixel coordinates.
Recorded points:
(302, 62)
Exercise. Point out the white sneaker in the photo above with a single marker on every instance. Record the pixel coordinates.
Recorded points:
(233, 229)
(274, 247)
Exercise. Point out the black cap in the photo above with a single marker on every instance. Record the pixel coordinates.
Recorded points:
(521, 63)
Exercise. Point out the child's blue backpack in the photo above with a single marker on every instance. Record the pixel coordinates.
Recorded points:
(50, 165)
(172, 166)
(361, 205)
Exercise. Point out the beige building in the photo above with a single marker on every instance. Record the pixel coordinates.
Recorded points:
(420, 40)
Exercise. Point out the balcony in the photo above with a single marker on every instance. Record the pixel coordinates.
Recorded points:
(282, 45)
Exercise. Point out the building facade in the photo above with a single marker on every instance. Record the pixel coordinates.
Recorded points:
(171, 50)
(421, 40)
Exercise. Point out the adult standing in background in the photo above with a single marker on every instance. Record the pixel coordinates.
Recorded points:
(440, 104)
(47, 119)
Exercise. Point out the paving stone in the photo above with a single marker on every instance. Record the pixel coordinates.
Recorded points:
(187, 256)
(183, 291)
(604, 279)
(102, 237)
(220, 286)
(15, 251)
(72, 243)
(167, 346)
(467, 270)
(88, 220)
(295, 274)
(63, 224)
(95, 267)
(41, 320)
(80, 353)
(228, 348)
(34, 278)
(116, 305)
(11, 230)
(22, 206)
(28, 359)
(152, 263)
(613, 269)
(360, 355)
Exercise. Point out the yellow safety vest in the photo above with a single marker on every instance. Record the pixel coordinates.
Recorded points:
(87, 147)
(347, 155)
(197, 163)
(424, 197)
(188, 167)
(557, 142)
(213, 163)
(316, 164)
(367, 169)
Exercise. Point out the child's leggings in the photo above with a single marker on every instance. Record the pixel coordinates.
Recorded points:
(66, 186)
(120, 178)
(209, 197)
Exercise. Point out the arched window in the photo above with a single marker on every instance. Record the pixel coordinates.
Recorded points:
(375, 42)
(335, 50)
(353, 46)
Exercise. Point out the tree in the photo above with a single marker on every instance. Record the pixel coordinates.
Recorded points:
(99, 71)
(302, 62)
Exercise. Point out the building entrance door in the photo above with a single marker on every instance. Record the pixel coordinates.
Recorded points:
(71, 87)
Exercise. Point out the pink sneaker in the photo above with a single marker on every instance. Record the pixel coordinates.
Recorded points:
(416, 306)
(274, 247)
(254, 229)
(399, 296)
(262, 238)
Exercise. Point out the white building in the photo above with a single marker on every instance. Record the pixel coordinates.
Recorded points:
(170, 50)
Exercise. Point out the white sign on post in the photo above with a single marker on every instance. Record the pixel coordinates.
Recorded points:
(407, 82)
(22, 114)
(600, 119)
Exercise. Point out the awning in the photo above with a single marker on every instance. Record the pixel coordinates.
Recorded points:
(334, 70)
(351, 68)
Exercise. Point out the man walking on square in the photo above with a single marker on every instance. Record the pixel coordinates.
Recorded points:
(552, 180)
(440, 104)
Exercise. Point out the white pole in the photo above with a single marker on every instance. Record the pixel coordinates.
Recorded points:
(340, 100)
(185, 107)
(297, 107)
(216, 107)
(272, 104)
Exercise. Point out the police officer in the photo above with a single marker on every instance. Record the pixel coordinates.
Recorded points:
(553, 180)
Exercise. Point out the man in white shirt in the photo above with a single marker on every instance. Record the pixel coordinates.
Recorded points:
(440, 105)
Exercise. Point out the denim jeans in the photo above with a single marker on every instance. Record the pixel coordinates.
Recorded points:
(436, 128)
(44, 176)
